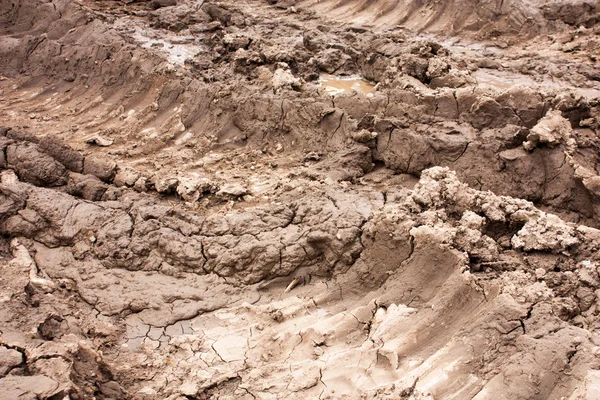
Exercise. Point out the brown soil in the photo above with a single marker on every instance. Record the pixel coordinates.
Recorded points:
(299, 199)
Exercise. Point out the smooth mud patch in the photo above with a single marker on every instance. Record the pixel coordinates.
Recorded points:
(503, 80)
(177, 53)
(345, 84)
(177, 48)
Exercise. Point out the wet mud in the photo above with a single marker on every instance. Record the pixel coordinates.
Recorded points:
(299, 200)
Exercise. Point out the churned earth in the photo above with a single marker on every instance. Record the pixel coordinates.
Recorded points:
(308, 199)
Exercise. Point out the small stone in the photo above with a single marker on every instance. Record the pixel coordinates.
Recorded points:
(141, 185)
(233, 190)
(100, 167)
(285, 79)
(9, 359)
(189, 389)
(363, 136)
(99, 141)
(166, 185)
(126, 177)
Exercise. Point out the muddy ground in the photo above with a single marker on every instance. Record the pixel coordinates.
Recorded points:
(299, 199)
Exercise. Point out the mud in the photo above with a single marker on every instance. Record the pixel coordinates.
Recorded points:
(299, 200)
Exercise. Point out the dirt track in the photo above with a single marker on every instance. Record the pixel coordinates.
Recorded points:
(195, 203)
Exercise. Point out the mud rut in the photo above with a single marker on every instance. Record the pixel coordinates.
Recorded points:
(188, 213)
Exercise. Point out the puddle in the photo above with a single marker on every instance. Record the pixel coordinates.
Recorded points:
(345, 84)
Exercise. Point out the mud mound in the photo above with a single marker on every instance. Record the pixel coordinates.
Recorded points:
(196, 202)
(487, 18)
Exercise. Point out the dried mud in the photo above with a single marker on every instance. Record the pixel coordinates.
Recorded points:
(299, 199)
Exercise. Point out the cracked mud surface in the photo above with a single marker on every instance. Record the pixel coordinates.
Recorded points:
(299, 199)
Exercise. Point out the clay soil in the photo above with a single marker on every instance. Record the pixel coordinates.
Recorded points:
(300, 199)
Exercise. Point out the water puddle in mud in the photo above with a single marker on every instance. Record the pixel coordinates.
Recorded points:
(345, 84)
